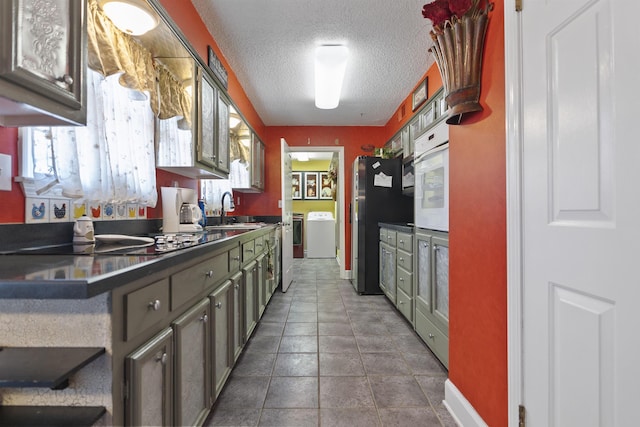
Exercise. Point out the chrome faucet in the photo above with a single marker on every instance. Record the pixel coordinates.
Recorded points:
(231, 206)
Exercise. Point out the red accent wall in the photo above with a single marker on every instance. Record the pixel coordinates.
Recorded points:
(13, 201)
(478, 257)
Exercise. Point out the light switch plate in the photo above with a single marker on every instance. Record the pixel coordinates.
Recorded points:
(5, 172)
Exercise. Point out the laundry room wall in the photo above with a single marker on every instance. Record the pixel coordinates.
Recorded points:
(305, 206)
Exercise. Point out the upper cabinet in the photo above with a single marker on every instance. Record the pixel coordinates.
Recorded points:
(246, 156)
(42, 62)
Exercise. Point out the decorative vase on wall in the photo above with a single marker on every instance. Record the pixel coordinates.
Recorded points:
(458, 51)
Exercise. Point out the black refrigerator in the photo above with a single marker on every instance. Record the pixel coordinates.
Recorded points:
(376, 197)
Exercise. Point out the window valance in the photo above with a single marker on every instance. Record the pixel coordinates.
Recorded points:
(110, 51)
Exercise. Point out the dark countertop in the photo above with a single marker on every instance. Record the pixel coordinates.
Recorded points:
(398, 226)
(45, 276)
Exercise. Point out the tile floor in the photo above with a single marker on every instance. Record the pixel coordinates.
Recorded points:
(322, 355)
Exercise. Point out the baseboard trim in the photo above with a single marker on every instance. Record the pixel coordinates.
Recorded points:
(461, 410)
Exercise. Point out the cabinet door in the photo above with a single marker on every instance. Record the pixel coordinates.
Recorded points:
(42, 52)
(257, 163)
(149, 377)
(222, 302)
(250, 294)
(388, 271)
(238, 315)
(223, 134)
(260, 284)
(441, 282)
(192, 365)
(206, 146)
(423, 273)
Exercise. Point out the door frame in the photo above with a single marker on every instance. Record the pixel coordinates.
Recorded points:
(344, 274)
(514, 154)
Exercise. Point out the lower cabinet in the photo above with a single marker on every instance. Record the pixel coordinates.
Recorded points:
(238, 315)
(250, 297)
(388, 271)
(149, 373)
(192, 365)
(222, 309)
(261, 282)
(432, 291)
(182, 333)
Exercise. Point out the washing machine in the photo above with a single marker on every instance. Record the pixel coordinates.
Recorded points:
(321, 235)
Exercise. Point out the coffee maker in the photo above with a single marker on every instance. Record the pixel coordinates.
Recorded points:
(180, 210)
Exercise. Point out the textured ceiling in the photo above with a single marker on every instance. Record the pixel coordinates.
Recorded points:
(269, 44)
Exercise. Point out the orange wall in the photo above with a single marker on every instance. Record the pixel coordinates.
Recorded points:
(478, 271)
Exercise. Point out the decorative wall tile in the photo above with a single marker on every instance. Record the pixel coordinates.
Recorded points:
(132, 211)
(60, 210)
(95, 211)
(79, 210)
(36, 210)
(121, 211)
(108, 211)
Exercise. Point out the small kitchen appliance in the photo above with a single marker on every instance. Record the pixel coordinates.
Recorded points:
(180, 210)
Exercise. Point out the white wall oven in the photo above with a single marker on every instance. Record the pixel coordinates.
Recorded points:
(431, 168)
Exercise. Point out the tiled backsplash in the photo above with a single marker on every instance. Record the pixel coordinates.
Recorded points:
(45, 210)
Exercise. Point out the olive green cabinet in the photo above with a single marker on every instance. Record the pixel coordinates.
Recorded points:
(238, 315)
(396, 269)
(222, 308)
(43, 67)
(250, 298)
(149, 374)
(432, 291)
(192, 365)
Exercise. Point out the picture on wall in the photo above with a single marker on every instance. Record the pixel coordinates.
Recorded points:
(311, 185)
(326, 186)
(296, 185)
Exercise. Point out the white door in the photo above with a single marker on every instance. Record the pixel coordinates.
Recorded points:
(580, 212)
(287, 217)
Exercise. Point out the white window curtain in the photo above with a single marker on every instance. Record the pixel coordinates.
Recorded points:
(212, 191)
(112, 159)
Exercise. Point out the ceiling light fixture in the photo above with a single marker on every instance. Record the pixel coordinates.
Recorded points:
(302, 157)
(330, 66)
(133, 17)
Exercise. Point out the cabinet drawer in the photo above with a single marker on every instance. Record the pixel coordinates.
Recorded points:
(433, 337)
(405, 281)
(390, 238)
(405, 260)
(383, 234)
(404, 241)
(260, 244)
(195, 280)
(145, 307)
(248, 251)
(234, 259)
(405, 305)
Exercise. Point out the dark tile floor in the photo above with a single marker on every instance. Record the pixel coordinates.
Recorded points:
(322, 355)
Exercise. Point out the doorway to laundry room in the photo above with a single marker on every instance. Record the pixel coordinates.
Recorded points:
(318, 205)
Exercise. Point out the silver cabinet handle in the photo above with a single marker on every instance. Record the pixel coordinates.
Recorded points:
(162, 358)
(402, 279)
(400, 302)
(401, 241)
(236, 286)
(218, 305)
(236, 258)
(431, 336)
(209, 273)
(401, 259)
(155, 305)
(249, 250)
(204, 318)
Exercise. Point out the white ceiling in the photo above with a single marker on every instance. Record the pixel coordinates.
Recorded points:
(270, 44)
